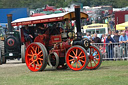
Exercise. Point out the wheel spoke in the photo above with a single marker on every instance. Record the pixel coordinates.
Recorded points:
(95, 62)
(31, 62)
(38, 63)
(82, 61)
(96, 59)
(40, 59)
(71, 60)
(73, 52)
(76, 52)
(39, 52)
(82, 57)
(41, 55)
(32, 52)
(32, 48)
(30, 59)
(73, 63)
(35, 49)
(71, 56)
(79, 63)
(29, 55)
(91, 63)
(80, 53)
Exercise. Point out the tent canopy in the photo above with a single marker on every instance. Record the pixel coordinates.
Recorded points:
(122, 26)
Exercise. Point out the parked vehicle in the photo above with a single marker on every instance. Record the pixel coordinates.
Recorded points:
(59, 47)
(11, 46)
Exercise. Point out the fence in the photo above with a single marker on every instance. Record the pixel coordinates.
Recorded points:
(113, 51)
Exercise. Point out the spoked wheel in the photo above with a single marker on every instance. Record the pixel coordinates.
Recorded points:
(76, 58)
(36, 57)
(95, 57)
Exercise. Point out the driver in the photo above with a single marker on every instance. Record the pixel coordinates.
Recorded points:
(27, 34)
(41, 29)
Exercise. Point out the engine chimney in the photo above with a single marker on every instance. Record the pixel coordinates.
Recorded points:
(9, 17)
(78, 25)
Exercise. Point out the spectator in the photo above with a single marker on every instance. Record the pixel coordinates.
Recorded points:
(96, 39)
(87, 35)
(109, 47)
(112, 24)
(110, 33)
(116, 36)
(126, 31)
(123, 40)
(103, 38)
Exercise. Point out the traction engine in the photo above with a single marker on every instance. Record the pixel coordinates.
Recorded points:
(60, 51)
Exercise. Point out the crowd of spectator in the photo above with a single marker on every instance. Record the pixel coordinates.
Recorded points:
(109, 41)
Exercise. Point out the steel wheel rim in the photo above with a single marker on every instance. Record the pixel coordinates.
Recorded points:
(34, 57)
(76, 58)
(94, 59)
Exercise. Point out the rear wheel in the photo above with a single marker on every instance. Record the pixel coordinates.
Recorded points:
(23, 49)
(95, 58)
(76, 58)
(36, 57)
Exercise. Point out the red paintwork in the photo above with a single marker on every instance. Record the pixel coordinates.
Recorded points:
(32, 62)
(10, 40)
(96, 59)
(38, 21)
(56, 39)
(76, 58)
(120, 17)
(37, 14)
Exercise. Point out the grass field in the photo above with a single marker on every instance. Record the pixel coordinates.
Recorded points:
(109, 73)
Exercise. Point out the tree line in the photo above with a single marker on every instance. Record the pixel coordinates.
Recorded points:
(59, 3)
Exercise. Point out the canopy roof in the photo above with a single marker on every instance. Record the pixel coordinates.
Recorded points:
(122, 26)
(47, 18)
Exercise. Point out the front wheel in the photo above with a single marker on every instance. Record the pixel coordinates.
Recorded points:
(36, 57)
(76, 58)
(95, 57)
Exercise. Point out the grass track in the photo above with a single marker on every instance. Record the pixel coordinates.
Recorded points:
(109, 73)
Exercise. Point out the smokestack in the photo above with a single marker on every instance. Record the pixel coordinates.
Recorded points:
(9, 17)
(78, 25)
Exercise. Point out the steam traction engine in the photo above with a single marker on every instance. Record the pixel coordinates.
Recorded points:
(60, 50)
(12, 46)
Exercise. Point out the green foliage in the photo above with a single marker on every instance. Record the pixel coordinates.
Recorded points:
(59, 3)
